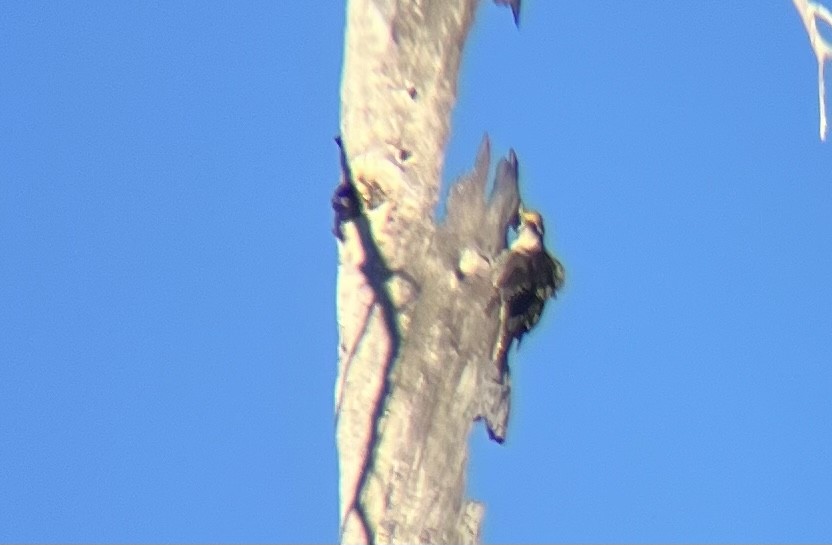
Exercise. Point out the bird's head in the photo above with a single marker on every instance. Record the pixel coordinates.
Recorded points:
(531, 219)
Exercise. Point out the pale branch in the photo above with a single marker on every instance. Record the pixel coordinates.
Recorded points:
(810, 12)
(416, 336)
(408, 396)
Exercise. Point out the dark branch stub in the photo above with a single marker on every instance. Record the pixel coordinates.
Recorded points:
(344, 200)
(515, 9)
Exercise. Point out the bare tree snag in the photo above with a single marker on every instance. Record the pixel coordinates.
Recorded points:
(416, 334)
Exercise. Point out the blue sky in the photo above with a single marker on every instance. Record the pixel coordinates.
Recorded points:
(167, 279)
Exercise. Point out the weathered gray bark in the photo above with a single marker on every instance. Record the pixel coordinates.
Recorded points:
(416, 335)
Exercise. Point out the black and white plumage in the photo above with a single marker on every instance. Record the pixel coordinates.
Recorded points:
(524, 280)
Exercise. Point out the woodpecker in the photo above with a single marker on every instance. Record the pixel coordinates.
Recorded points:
(524, 280)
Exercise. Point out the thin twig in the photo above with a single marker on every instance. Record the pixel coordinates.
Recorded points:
(810, 12)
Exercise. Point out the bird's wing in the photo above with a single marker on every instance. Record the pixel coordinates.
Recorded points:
(548, 275)
(514, 275)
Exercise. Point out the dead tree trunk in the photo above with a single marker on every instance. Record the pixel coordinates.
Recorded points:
(416, 329)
